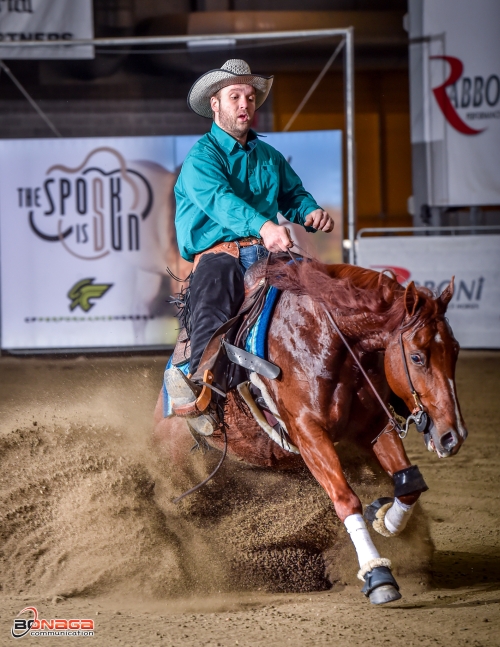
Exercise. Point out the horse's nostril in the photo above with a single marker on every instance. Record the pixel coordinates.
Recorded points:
(449, 440)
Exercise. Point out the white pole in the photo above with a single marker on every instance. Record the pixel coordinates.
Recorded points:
(173, 40)
(350, 143)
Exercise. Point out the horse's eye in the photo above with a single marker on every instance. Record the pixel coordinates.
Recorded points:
(417, 359)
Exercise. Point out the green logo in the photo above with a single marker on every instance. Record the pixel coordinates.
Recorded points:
(84, 290)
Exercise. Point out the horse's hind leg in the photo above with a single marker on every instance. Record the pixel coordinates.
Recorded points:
(390, 516)
(319, 454)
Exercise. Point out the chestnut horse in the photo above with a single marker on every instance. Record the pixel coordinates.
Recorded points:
(404, 344)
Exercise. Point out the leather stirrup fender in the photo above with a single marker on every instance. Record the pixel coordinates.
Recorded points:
(210, 354)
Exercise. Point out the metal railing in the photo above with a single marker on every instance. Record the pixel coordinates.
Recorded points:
(473, 229)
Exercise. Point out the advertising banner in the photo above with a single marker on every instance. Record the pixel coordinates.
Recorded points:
(87, 232)
(431, 261)
(455, 100)
(45, 20)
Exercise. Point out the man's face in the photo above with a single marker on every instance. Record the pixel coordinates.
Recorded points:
(234, 108)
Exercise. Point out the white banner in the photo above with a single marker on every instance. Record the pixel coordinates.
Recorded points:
(431, 261)
(45, 20)
(455, 98)
(87, 232)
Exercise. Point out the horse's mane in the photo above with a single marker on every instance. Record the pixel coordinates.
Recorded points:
(350, 290)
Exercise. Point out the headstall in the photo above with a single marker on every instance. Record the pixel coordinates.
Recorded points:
(418, 415)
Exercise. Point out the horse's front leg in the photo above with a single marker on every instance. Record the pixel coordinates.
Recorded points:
(390, 516)
(318, 452)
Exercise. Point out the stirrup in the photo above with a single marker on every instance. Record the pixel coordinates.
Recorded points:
(200, 399)
(191, 401)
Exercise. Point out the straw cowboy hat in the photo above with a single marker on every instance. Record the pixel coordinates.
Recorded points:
(232, 72)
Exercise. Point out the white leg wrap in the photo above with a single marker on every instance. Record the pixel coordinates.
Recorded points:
(365, 549)
(397, 517)
(368, 555)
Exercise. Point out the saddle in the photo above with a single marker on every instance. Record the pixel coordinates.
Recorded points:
(213, 371)
(255, 292)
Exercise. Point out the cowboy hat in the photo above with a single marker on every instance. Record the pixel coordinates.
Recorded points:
(233, 72)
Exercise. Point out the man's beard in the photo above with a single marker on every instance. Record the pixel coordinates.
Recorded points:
(231, 125)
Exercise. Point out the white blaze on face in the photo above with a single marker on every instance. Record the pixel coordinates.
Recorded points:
(460, 428)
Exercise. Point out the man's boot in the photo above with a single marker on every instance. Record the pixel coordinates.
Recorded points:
(184, 395)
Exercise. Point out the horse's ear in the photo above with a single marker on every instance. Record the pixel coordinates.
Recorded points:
(411, 299)
(447, 293)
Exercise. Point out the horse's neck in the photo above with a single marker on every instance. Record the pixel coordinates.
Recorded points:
(366, 329)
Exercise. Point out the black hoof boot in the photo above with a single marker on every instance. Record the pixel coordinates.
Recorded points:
(380, 586)
(372, 509)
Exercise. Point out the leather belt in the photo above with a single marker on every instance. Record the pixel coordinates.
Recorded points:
(232, 248)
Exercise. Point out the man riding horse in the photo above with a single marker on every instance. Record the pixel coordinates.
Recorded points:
(352, 335)
(229, 192)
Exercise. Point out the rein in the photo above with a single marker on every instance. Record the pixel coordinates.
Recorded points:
(418, 415)
(391, 417)
(212, 474)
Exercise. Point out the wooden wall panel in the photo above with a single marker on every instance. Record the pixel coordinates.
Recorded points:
(368, 168)
(398, 163)
(383, 150)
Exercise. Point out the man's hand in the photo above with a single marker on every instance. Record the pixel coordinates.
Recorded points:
(276, 238)
(320, 220)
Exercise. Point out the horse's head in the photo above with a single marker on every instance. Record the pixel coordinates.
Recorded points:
(426, 344)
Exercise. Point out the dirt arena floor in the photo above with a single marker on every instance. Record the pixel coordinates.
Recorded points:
(88, 529)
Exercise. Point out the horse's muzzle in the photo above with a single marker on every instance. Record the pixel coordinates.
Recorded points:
(449, 440)
(444, 445)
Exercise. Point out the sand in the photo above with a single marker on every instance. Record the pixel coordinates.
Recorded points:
(88, 529)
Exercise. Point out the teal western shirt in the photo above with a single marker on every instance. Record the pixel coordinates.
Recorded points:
(226, 191)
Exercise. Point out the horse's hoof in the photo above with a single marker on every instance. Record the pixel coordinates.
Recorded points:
(384, 594)
(380, 586)
(370, 513)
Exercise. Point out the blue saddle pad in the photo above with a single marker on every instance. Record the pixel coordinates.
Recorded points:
(256, 341)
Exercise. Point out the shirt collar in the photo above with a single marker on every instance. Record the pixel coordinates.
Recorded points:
(229, 143)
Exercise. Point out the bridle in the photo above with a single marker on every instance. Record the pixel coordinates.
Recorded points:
(419, 416)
